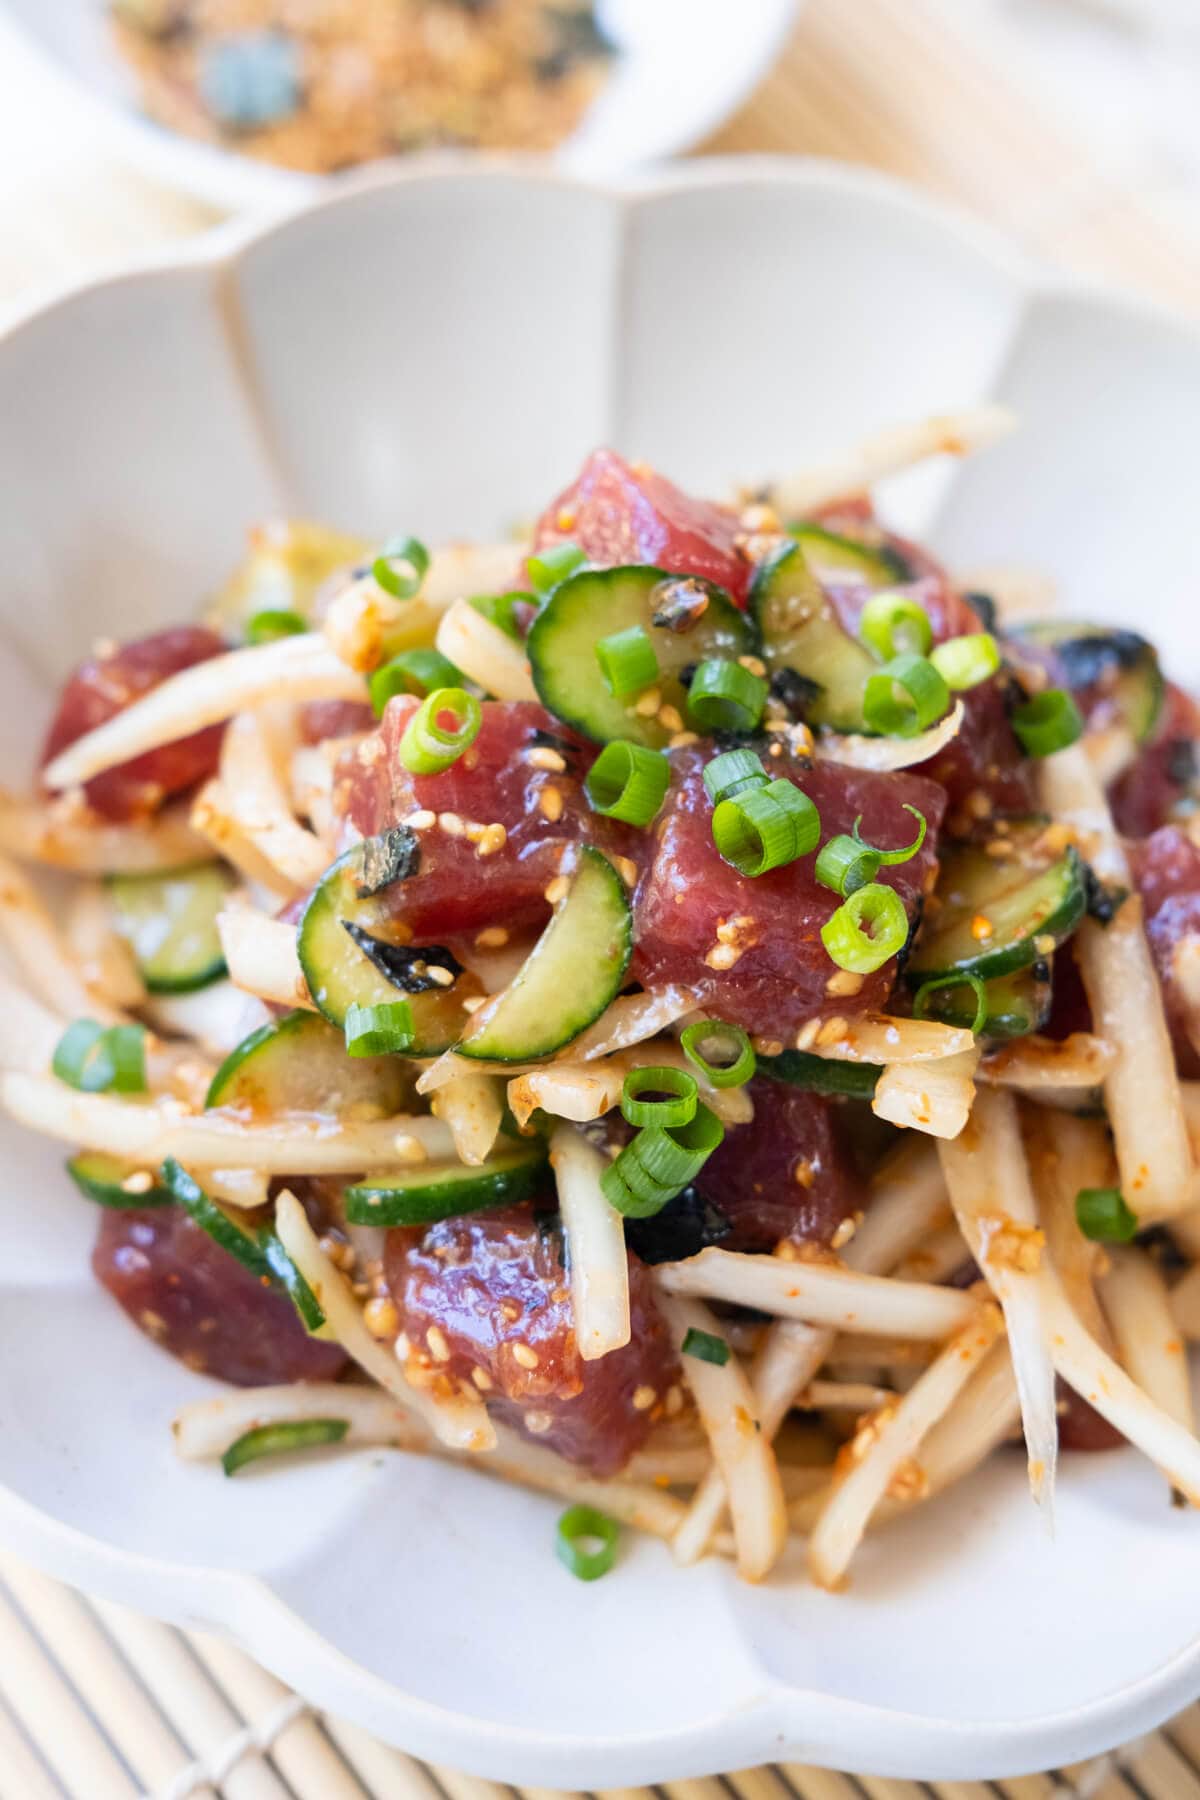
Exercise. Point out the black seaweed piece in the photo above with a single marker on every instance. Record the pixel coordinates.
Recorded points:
(398, 963)
(1086, 660)
(795, 691)
(1103, 902)
(394, 855)
(685, 1226)
(984, 608)
(1181, 761)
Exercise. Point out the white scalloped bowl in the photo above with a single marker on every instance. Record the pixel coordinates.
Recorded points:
(437, 353)
(682, 67)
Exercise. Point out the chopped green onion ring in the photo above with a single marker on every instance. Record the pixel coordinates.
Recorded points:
(546, 568)
(846, 937)
(845, 865)
(724, 696)
(500, 610)
(585, 1542)
(963, 662)
(428, 745)
(925, 697)
(904, 855)
(1050, 721)
(96, 1060)
(705, 1346)
(404, 581)
(737, 1070)
(958, 980)
(382, 1030)
(679, 1108)
(628, 781)
(659, 1163)
(272, 623)
(412, 672)
(766, 827)
(730, 773)
(893, 624)
(1103, 1215)
(627, 661)
(273, 1440)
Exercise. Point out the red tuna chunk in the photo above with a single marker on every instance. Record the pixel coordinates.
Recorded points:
(457, 888)
(785, 1175)
(780, 978)
(104, 686)
(619, 512)
(1167, 872)
(495, 1287)
(1143, 797)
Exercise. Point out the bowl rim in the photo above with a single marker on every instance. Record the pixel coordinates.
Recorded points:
(781, 1722)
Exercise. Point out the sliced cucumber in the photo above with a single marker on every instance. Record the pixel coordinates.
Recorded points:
(834, 558)
(1016, 1004)
(101, 1178)
(1120, 664)
(170, 924)
(352, 952)
(821, 1075)
(801, 633)
(572, 973)
(595, 604)
(421, 1197)
(298, 1064)
(259, 1250)
(997, 914)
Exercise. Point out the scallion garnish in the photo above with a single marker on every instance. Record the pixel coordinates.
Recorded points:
(731, 772)
(905, 697)
(1103, 1216)
(765, 827)
(705, 1346)
(678, 1107)
(906, 852)
(412, 672)
(401, 567)
(627, 661)
(845, 865)
(867, 928)
(894, 623)
(273, 1440)
(724, 696)
(959, 980)
(963, 662)
(1049, 722)
(735, 1069)
(546, 568)
(585, 1542)
(500, 610)
(382, 1030)
(272, 623)
(659, 1163)
(443, 726)
(628, 781)
(99, 1060)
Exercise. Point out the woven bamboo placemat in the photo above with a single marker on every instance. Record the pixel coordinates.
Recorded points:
(97, 1703)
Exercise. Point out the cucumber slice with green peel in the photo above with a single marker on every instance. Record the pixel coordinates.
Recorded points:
(422, 1196)
(599, 602)
(1016, 1004)
(572, 973)
(835, 558)
(821, 1074)
(801, 632)
(996, 914)
(258, 1250)
(299, 1064)
(346, 942)
(101, 1178)
(170, 923)
(1120, 664)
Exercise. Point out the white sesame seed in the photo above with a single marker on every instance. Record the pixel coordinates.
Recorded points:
(494, 838)
(647, 704)
(492, 937)
(644, 1398)
(556, 890)
(542, 757)
(482, 1380)
(525, 1356)
(442, 977)
(452, 824)
(439, 1349)
(550, 803)
(538, 1422)
(421, 820)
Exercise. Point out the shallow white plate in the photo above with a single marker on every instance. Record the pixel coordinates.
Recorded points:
(683, 67)
(388, 361)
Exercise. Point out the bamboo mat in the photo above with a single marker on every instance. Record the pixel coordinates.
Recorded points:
(99, 1704)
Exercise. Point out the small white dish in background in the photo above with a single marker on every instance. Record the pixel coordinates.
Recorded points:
(389, 360)
(682, 67)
